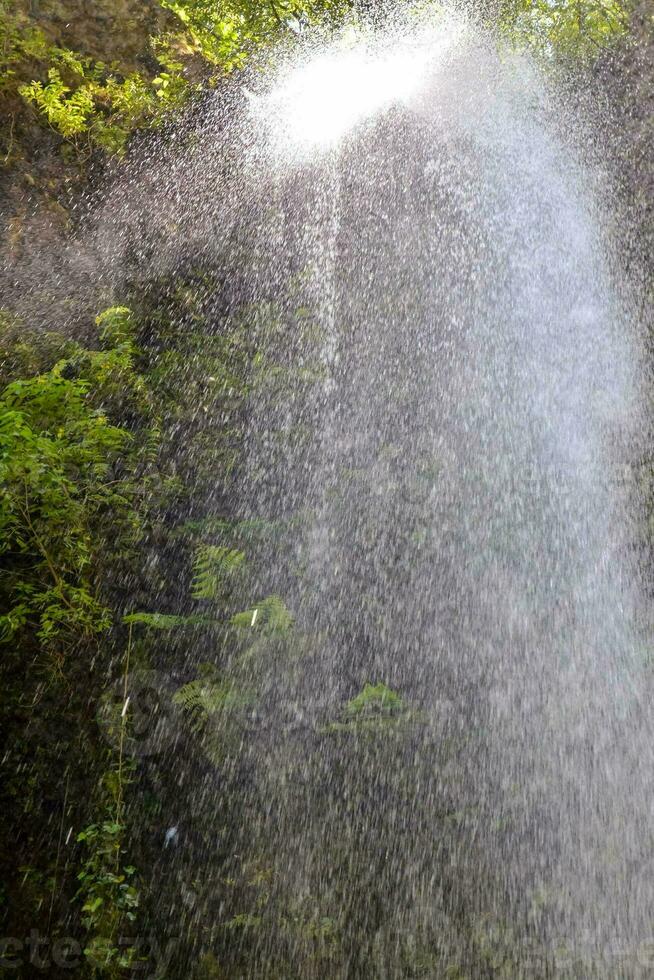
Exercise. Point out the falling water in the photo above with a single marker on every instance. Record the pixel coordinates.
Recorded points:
(468, 538)
(452, 463)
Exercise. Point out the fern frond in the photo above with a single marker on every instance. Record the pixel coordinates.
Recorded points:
(213, 567)
(268, 616)
(252, 529)
(163, 621)
(205, 698)
(375, 700)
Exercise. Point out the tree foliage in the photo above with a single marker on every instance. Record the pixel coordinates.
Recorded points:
(565, 28)
(227, 31)
(92, 102)
(57, 453)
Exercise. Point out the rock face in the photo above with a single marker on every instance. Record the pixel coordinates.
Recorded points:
(39, 169)
(114, 32)
(107, 30)
(628, 78)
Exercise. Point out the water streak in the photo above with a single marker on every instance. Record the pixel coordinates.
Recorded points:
(413, 237)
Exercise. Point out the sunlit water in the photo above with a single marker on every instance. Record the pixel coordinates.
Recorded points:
(454, 474)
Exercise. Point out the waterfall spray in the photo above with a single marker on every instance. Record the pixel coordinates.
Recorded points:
(449, 770)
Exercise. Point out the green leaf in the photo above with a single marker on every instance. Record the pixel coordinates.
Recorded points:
(214, 567)
(163, 621)
(375, 700)
(268, 616)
